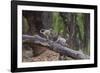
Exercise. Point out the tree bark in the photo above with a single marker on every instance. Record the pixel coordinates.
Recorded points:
(34, 19)
(47, 20)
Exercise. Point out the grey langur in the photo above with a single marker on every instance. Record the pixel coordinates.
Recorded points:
(50, 34)
(61, 41)
(46, 32)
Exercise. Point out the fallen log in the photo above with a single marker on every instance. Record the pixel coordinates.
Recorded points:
(36, 39)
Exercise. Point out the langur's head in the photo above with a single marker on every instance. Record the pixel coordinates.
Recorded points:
(46, 32)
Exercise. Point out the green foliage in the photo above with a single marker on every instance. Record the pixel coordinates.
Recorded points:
(80, 23)
(58, 25)
(25, 26)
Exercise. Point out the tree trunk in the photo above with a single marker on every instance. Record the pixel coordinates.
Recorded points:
(54, 46)
(47, 20)
(86, 31)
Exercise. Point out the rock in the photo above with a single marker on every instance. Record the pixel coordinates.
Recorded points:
(27, 53)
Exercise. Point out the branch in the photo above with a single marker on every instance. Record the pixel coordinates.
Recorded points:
(36, 39)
